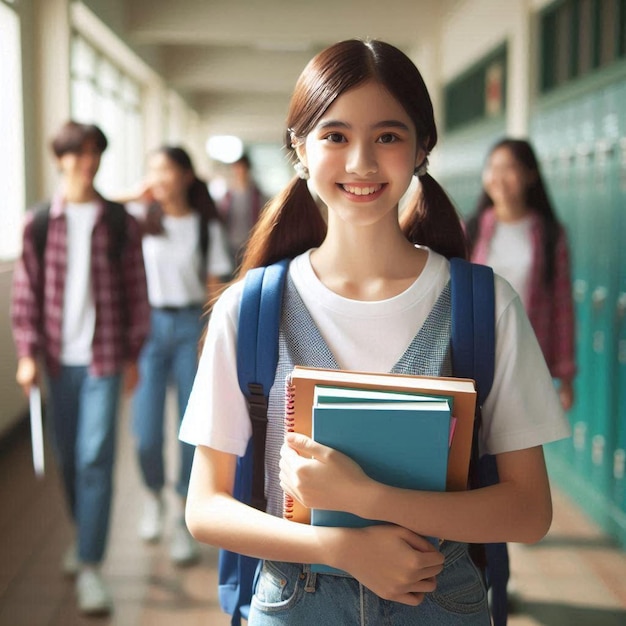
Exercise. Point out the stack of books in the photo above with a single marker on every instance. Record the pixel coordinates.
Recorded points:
(412, 432)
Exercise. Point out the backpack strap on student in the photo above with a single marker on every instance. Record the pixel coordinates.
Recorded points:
(114, 216)
(41, 219)
(257, 358)
(473, 324)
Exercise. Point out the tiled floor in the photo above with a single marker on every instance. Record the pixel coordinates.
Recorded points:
(574, 577)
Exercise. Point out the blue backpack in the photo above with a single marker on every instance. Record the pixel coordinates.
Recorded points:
(473, 356)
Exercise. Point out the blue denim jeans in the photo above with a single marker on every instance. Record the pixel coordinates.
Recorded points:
(83, 412)
(288, 593)
(169, 355)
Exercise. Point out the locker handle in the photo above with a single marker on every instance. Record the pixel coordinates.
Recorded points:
(605, 148)
(621, 304)
(599, 296)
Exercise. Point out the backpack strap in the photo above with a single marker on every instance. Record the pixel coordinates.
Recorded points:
(257, 358)
(41, 220)
(473, 324)
(115, 217)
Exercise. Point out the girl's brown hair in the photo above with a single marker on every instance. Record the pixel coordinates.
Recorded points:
(291, 222)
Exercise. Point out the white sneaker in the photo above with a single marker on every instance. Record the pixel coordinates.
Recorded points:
(184, 548)
(151, 523)
(93, 596)
(70, 563)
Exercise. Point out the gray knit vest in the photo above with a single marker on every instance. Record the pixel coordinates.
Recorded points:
(300, 343)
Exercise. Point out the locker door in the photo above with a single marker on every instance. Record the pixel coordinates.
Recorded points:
(582, 286)
(602, 295)
(619, 214)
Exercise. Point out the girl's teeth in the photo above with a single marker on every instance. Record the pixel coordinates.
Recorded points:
(362, 191)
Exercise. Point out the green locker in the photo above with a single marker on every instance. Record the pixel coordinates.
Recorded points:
(582, 284)
(603, 244)
(619, 387)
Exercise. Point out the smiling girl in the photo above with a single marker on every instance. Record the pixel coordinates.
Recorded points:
(365, 292)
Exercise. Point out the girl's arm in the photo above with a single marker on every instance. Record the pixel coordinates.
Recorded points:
(517, 509)
(391, 561)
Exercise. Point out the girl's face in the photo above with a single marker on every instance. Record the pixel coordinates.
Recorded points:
(361, 154)
(505, 179)
(80, 168)
(168, 181)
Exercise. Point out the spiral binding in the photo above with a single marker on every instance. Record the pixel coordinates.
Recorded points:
(290, 395)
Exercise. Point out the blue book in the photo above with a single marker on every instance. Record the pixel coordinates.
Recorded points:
(402, 444)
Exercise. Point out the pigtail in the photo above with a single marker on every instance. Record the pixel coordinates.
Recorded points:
(432, 220)
(290, 224)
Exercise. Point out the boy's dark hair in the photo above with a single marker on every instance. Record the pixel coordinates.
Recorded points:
(72, 136)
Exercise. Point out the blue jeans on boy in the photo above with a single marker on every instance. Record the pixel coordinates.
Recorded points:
(83, 416)
(169, 355)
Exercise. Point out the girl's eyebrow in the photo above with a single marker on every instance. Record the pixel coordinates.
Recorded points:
(382, 124)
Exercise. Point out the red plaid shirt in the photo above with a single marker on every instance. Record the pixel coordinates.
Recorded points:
(550, 310)
(119, 290)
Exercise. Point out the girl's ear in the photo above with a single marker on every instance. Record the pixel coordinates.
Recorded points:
(300, 149)
(421, 155)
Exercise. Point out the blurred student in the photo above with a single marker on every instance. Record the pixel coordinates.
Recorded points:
(241, 206)
(515, 230)
(186, 254)
(80, 303)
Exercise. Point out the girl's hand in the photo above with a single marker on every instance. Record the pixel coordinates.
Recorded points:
(391, 561)
(566, 394)
(318, 476)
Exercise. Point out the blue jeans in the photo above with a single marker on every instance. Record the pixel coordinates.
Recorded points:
(83, 411)
(288, 593)
(169, 355)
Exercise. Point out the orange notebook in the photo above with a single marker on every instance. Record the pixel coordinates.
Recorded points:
(300, 389)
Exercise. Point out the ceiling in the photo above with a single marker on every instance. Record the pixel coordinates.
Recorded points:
(236, 61)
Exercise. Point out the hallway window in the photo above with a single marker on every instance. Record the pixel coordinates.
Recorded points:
(104, 95)
(12, 133)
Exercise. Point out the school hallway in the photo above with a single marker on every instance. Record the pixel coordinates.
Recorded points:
(574, 577)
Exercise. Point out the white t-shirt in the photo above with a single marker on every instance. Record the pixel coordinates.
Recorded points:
(172, 260)
(79, 311)
(522, 410)
(510, 254)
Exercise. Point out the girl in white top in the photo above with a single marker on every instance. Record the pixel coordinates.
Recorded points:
(360, 126)
(185, 254)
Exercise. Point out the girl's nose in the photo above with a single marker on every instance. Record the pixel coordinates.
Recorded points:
(362, 160)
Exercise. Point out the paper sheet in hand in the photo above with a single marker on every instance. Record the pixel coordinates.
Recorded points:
(36, 430)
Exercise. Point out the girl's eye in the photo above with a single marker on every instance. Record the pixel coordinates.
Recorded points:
(388, 138)
(335, 138)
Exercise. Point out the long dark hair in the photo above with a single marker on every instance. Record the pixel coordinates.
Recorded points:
(198, 197)
(536, 199)
(291, 223)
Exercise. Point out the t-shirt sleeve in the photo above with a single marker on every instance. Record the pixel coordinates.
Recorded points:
(219, 262)
(217, 413)
(523, 408)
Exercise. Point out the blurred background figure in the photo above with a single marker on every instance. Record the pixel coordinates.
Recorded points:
(241, 206)
(86, 315)
(514, 229)
(186, 254)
